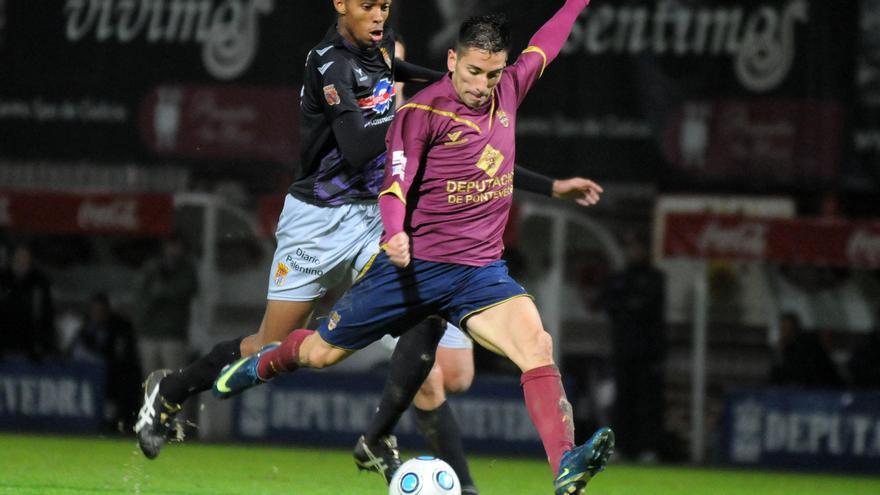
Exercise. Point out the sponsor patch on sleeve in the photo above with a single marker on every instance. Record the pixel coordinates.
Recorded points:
(398, 164)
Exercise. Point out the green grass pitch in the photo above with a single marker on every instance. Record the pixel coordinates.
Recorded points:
(38, 465)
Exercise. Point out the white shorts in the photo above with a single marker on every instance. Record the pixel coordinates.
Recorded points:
(320, 247)
(454, 338)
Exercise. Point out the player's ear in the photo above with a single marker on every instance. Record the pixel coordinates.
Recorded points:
(339, 5)
(451, 59)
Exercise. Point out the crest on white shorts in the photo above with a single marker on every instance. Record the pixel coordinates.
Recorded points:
(280, 273)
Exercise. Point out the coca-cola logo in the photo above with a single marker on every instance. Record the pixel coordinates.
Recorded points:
(119, 214)
(745, 239)
(761, 40)
(863, 248)
(228, 31)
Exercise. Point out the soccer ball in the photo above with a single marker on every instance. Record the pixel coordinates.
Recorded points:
(425, 475)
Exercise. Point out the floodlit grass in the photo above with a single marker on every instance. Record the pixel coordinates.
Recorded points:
(38, 465)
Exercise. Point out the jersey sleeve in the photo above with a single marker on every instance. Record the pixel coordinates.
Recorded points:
(526, 71)
(407, 143)
(336, 85)
(544, 46)
(531, 181)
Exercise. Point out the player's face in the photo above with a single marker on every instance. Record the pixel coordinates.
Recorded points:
(475, 73)
(362, 22)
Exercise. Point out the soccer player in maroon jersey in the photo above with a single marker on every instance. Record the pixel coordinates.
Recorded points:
(346, 108)
(445, 201)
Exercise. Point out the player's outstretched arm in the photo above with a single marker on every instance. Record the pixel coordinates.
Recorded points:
(528, 180)
(578, 189)
(552, 35)
(544, 47)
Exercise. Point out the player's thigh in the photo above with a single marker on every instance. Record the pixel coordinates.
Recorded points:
(513, 329)
(383, 300)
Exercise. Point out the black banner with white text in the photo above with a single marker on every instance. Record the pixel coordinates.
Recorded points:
(710, 91)
(686, 93)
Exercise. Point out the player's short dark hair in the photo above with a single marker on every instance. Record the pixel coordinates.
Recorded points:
(489, 32)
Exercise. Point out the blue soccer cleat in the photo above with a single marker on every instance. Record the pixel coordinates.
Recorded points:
(241, 375)
(580, 464)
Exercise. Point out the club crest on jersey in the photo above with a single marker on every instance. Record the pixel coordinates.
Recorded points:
(331, 95)
(333, 320)
(381, 99)
(280, 273)
(502, 117)
(490, 161)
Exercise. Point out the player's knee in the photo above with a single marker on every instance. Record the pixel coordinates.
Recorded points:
(542, 347)
(434, 381)
(457, 381)
(431, 391)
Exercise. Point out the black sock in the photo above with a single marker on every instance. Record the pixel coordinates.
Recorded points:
(441, 431)
(410, 365)
(199, 376)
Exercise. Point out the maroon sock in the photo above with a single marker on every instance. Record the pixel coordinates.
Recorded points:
(284, 358)
(550, 411)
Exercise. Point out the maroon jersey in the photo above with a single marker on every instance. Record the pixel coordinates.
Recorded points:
(452, 165)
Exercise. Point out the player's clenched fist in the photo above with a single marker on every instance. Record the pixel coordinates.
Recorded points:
(397, 249)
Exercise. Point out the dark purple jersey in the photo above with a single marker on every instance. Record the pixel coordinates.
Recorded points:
(338, 79)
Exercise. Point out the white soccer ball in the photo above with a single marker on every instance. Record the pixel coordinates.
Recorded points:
(425, 475)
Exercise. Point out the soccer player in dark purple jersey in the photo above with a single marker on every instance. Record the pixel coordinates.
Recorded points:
(445, 201)
(330, 223)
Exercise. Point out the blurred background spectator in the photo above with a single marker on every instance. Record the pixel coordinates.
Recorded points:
(634, 299)
(27, 315)
(107, 338)
(163, 294)
(864, 362)
(801, 359)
